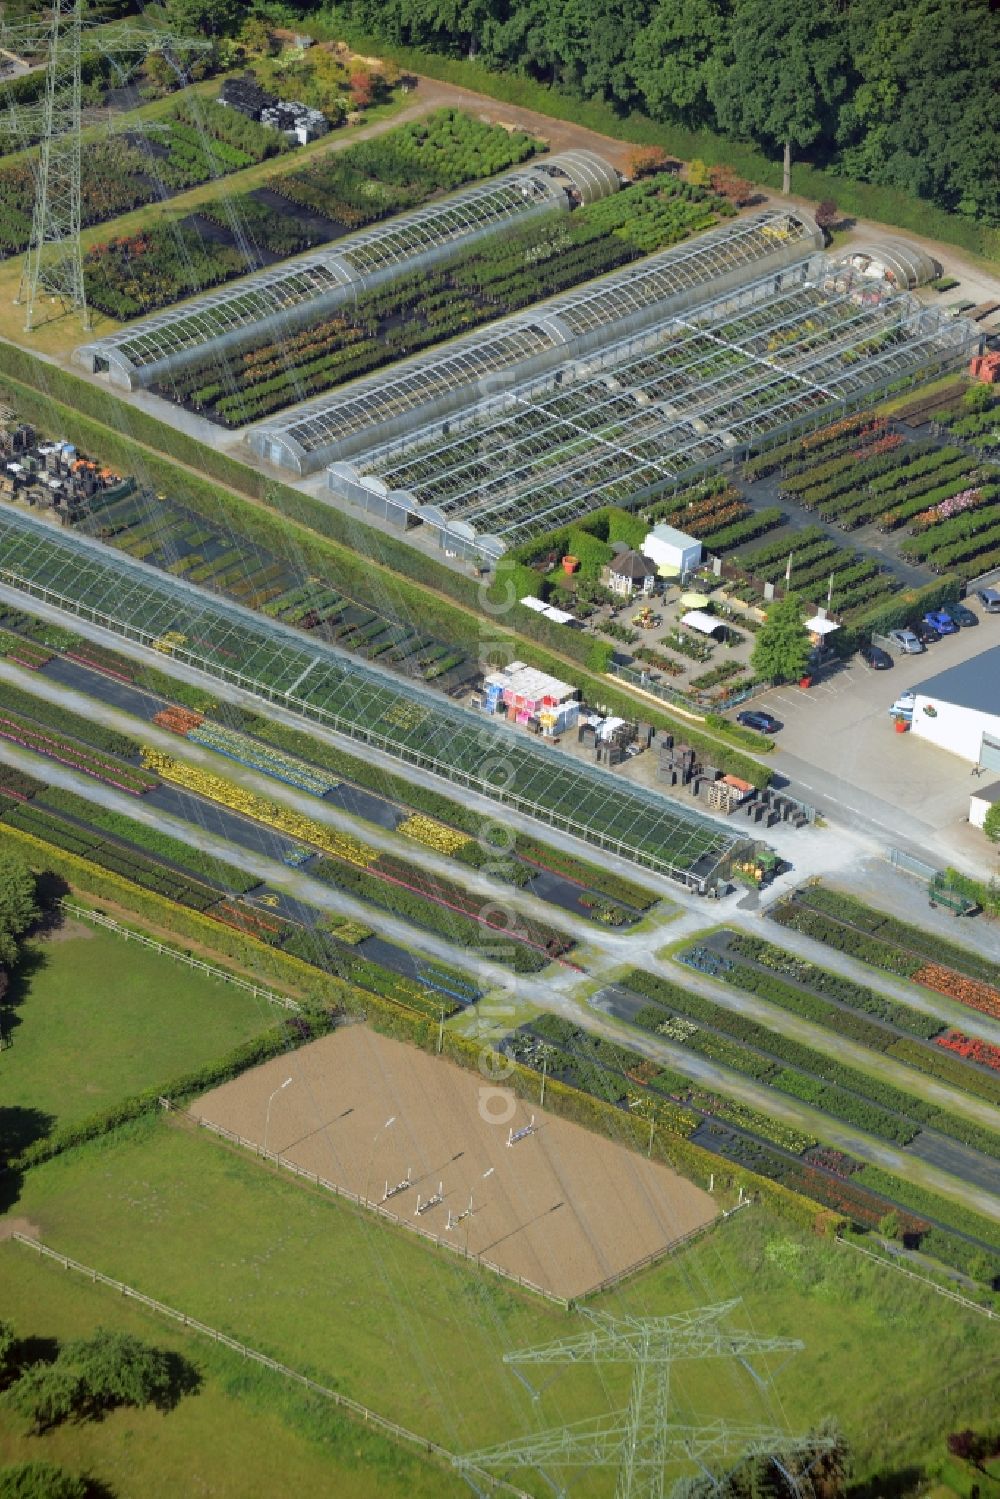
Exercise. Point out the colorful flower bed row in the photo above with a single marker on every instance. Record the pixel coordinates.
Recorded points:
(971, 992)
(270, 762)
(178, 720)
(282, 819)
(89, 762)
(972, 1048)
(435, 835)
(23, 652)
(966, 499)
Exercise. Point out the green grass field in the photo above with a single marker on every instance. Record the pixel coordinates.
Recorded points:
(90, 1020)
(244, 1432)
(420, 1337)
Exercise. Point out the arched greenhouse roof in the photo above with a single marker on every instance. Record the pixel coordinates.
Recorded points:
(907, 265)
(377, 408)
(298, 290)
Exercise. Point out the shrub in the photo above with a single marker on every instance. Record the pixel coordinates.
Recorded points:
(38, 1479)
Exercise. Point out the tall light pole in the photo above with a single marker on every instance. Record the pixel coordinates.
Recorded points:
(375, 1138)
(267, 1116)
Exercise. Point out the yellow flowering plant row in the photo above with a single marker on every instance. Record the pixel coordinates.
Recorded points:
(282, 819)
(433, 834)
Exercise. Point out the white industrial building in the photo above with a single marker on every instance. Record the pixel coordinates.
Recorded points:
(959, 710)
(981, 801)
(674, 552)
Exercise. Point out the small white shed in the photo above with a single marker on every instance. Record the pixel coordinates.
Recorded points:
(673, 551)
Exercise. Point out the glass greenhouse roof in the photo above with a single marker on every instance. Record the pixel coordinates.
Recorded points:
(344, 264)
(295, 673)
(330, 426)
(655, 408)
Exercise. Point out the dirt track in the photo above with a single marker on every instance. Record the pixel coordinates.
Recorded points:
(563, 1208)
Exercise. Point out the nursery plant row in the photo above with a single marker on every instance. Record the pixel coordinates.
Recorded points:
(844, 1092)
(618, 1075)
(849, 1009)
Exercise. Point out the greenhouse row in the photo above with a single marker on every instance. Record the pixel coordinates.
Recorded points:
(653, 409)
(379, 408)
(295, 293)
(85, 579)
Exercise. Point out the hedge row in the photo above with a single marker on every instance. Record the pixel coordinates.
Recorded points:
(283, 1037)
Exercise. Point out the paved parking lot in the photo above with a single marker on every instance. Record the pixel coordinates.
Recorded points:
(839, 750)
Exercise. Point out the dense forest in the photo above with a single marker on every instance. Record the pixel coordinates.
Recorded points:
(896, 92)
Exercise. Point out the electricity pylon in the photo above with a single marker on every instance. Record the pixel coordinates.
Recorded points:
(53, 263)
(642, 1441)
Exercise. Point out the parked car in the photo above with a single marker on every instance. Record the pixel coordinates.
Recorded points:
(755, 718)
(990, 599)
(906, 641)
(941, 621)
(875, 657)
(924, 632)
(961, 614)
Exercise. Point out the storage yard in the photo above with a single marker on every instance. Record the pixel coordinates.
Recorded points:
(560, 1208)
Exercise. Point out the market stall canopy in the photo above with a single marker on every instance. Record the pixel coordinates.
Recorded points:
(818, 625)
(694, 600)
(705, 624)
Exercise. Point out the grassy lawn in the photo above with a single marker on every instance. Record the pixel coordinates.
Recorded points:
(244, 1433)
(419, 1337)
(90, 1019)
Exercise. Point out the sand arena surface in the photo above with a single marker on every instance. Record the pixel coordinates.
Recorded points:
(563, 1208)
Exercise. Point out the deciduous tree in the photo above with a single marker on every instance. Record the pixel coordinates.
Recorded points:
(782, 648)
(782, 74)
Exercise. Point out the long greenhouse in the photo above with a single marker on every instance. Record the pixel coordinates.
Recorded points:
(298, 292)
(379, 408)
(656, 408)
(89, 582)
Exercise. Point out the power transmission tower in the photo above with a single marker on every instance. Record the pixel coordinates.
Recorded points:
(642, 1441)
(53, 263)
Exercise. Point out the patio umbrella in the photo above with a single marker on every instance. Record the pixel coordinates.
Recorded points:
(694, 600)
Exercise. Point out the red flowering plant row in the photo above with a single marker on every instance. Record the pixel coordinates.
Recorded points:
(970, 1048)
(971, 992)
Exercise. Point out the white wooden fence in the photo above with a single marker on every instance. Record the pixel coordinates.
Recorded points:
(188, 959)
(391, 1429)
(924, 1280)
